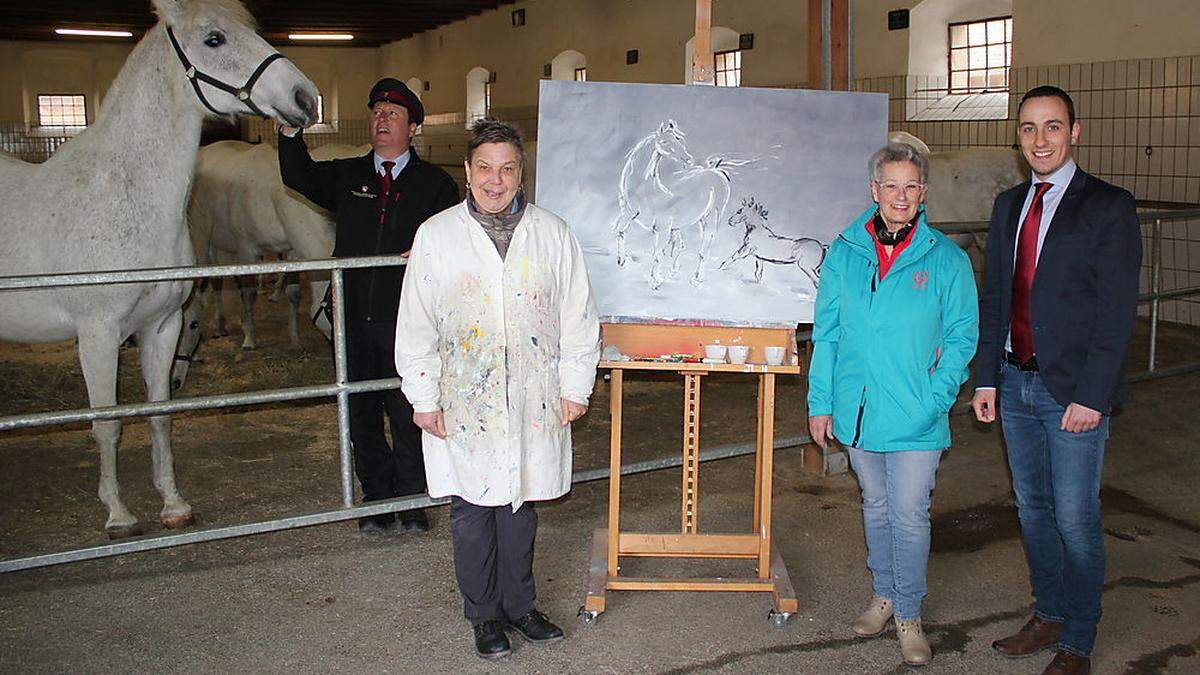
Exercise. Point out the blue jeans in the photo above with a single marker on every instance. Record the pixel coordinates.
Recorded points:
(1056, 477)
(895, 498)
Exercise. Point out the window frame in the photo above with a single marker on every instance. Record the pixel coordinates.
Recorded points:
(987, 67)
(736, 70)
(82, 106)
(581, 74)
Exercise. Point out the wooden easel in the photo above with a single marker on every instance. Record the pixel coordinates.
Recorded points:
(609, 544)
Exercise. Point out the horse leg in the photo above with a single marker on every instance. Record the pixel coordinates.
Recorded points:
(249, 288)
(157, 343)
(706, 240)
(217, 288)
(98, 347)
(293, 296)
(624, 219)
(676, 245)
(656, 278)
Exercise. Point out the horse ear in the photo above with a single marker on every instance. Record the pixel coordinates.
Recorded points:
(168, 10)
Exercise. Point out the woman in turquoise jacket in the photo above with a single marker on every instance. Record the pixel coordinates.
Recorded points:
(895, 326)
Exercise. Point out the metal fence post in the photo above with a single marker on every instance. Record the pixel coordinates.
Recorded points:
(343, 396)
(1155, 288)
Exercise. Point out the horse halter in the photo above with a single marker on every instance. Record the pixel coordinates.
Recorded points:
(242, 93)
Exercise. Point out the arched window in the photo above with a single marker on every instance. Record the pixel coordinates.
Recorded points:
(478, 94)
(569, 65)
(724, 41)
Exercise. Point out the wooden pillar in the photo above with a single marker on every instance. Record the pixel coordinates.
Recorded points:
(702, 55)
(830, 44)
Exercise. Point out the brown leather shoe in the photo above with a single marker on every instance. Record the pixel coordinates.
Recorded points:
(1066, 663)
(1035, 636)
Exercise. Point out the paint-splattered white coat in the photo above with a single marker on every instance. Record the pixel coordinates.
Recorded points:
(495, 344)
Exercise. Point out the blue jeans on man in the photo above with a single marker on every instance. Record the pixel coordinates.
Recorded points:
(895, 498)
(1056, 478)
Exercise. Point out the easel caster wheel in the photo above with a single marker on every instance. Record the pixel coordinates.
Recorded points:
(588, 617)
(779, 619)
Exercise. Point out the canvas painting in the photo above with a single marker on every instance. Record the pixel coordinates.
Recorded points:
(696, 203)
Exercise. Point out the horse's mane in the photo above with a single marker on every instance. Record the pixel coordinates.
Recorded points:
(233, 8)
(754, 205)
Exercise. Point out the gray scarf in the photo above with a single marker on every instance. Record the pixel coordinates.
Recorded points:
(499, 227)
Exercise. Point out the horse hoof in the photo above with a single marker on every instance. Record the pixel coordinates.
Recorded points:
(123, 531)
(179, 522)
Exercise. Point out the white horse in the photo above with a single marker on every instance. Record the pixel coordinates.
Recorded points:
(114, 198)
(761, 242)
(665, 190)
(240, 211)
(963, 183)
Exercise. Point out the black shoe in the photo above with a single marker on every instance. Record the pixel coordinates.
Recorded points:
(414, 521)
(377, 524)
(490, 640)
(535, 627)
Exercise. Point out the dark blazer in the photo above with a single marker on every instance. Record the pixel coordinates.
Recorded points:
(350, 188)
(1084, 297)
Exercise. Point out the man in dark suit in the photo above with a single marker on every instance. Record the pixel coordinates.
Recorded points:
(378, 200)
(1058, 304)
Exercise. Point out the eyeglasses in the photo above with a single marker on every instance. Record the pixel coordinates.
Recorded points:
(892, 187)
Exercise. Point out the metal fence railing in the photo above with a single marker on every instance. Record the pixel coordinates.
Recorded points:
(1154, 296)
(341, 389)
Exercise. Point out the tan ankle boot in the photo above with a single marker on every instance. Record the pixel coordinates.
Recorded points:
(913, 645)
(874, 619)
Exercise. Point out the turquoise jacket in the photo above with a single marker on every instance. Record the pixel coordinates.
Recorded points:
(890, 355)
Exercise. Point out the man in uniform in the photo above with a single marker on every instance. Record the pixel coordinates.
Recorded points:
(378, 200)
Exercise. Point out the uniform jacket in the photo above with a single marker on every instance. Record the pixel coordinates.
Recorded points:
(890, 355)
(495, 344)
(350, 188)
(1084, 297)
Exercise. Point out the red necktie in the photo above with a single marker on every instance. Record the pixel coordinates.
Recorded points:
(1023, 271)
(385, 187)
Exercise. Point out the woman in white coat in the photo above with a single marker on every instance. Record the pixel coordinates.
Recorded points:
(497, 348)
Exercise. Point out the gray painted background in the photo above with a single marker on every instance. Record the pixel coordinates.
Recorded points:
(800, 154)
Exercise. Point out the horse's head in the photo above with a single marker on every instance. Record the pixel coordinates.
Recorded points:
(670, 142)
(189, 343)
(231, 68)
(750, 207)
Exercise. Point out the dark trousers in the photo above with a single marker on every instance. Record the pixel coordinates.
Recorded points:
(384, 471)
(493, 559)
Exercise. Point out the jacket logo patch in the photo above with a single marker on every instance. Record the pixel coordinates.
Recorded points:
(920, 279)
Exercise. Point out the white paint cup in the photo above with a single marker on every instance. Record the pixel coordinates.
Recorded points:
(714, 352)
(774, 355)
(738, 353)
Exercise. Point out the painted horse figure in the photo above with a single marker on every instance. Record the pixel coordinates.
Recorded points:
(114, 197)
(666, 191)
(765, 246)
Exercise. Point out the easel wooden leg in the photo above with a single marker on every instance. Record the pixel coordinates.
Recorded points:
(690, 494)
(616, 395)
(758, 457)
(767, 451)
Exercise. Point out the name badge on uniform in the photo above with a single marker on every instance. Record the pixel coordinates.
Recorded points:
(364, 191)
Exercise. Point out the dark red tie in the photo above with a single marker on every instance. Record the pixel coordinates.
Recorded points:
(1023, 271)
(385, 187)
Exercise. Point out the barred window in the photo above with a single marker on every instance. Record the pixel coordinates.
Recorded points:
(980, 55)
(62, 110)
